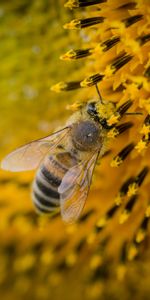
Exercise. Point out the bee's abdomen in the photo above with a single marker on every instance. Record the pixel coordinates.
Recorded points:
(48, 178)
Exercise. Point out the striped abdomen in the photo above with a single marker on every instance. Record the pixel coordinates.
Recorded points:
(48, 178)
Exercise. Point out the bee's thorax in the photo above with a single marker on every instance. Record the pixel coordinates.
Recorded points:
(86, 136)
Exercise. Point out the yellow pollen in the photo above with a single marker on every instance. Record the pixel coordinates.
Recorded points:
(108, 71)
(59, 87)
(119, 199)
(124, 216)
(74, 24)
(116, 162)
(132, 190)
(102, 222)
(86, 82)
(121, 271)
(71, 4)
(71, 259)
(133, 251)
(140, 236)
(68, 55)
(145, 130)
(95, 262)
(113, 133)
(113, 119)
(141, 145)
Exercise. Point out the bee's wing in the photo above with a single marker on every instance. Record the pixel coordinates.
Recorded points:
(29, 156)
(74, 189)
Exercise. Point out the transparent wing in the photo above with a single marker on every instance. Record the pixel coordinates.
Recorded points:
(29, 156)
(74, 189)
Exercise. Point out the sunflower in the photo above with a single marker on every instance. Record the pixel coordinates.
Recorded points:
(103, 255)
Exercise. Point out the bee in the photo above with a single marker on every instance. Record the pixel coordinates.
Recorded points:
(65, 160)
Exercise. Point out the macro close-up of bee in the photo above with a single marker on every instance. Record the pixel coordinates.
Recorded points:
(66, 158)
(74, 155)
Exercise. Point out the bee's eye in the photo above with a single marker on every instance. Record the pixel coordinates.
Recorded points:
(91, 109)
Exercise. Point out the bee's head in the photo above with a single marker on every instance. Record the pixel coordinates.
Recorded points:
(86, 135)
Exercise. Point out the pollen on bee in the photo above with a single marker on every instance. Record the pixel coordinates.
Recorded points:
(113, 119)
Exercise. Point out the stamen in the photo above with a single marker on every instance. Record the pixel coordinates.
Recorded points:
(119, 129)
(141, 176)
(102, 222)
(132, 251)
(92, 80)
(141, 233)
(143, 39)
(121, 156)
(76, 54)
(83, 23)
(131, 20)
(66, 86)
(128, 209)
(124, 107)
(120, 61)
(108, 44)
(130, 5)
(82, 3)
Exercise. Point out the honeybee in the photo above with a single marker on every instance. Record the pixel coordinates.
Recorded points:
(65, 161)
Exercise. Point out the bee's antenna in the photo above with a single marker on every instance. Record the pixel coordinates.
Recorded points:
(99, 94)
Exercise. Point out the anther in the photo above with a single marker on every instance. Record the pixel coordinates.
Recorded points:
(83, 23)
(120, 61)
(141, 176)
(121, 156)
(119, 129)
(76, 54)
(108, 44)
(66, 86)
(82, 3)
(128, 209)
(141, 232)
(92, 80)
(131, 20)
(130, 5)
(143, 39)
(121, 110)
